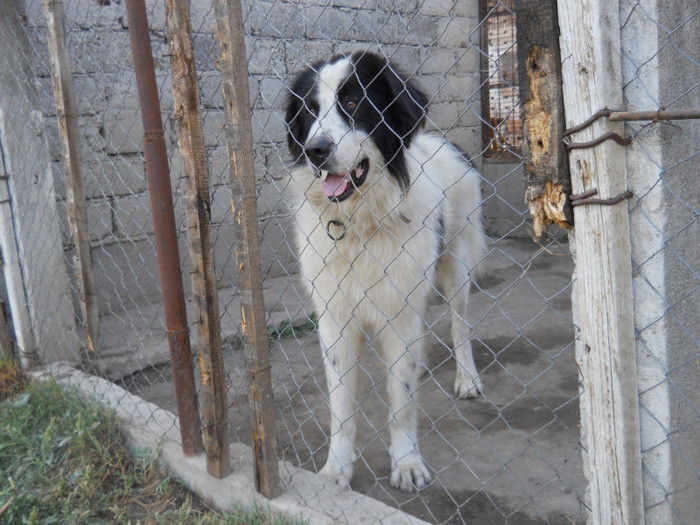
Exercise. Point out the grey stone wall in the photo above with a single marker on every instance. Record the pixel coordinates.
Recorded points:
(439, 41)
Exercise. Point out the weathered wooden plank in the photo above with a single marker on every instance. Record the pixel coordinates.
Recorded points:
(603, 308)
(34, 228)
(239, 135)
(6, 347)
(67, 117)
(546, 163)
(14, 282)
(194, 164)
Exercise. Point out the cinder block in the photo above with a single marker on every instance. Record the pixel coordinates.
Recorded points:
(214, 133)
(99, 217)
(113, 175)
(123, 131)
(210, 93)
(266, 56)
(132, 217)
(268, 126)
(418, 30)
(274, 20)
(399, 6)
(273, 92)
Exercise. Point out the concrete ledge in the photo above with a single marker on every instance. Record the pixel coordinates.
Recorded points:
(305, 495)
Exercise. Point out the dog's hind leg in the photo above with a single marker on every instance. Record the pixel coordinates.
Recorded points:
(455, 283)
(340, 350)
(408, 471)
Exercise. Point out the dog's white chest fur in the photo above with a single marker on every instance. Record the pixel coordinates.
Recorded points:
(364, 265)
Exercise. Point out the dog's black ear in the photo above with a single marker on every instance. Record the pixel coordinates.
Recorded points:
(298, 116)
(398, 97)
(400, 106)
(405, 113)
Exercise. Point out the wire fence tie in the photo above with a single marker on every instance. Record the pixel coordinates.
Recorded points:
(622, 116)
(610, 135)
(585, 198)
(336, 222)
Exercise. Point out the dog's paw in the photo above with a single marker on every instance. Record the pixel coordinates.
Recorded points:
(337, 475)
(409, 474)
(468, 388)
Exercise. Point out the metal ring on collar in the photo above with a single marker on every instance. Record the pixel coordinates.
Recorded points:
(336, 222)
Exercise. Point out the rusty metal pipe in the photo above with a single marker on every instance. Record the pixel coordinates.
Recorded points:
(165, 233)
(657, 114)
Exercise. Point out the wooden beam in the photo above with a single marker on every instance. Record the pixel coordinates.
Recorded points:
(67, 117)
(194, 165)
(6, 348)
(12, 273)
(546, 163)
(603, 308)
(239, 135)
(35, 225)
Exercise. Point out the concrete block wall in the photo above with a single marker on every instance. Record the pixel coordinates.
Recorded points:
(439, 41)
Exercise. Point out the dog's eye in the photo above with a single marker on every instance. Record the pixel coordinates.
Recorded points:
(351, 105)
(313, 109)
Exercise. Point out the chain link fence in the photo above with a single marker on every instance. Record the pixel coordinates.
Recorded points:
(511, 455)
(660, 70)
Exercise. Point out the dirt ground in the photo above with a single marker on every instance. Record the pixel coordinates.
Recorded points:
(510, 456)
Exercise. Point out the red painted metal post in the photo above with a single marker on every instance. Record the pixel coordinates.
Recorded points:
(165, 231)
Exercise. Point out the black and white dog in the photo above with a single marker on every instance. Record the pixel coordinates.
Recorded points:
(385, 212)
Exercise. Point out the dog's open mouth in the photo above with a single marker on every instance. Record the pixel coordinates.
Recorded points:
(339, 186)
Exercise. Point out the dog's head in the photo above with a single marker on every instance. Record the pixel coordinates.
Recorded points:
(350, 120)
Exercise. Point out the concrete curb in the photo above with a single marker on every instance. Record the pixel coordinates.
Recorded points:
(305, 495)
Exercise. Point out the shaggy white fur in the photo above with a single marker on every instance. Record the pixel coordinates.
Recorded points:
(371, 262)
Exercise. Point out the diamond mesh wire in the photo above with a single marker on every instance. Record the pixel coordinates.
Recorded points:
(512, 454)
(660, 71)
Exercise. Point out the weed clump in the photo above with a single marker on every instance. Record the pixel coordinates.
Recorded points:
(63, 460)
(12, 380)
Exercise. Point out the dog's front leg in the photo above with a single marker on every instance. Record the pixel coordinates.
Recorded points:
(408, 471)
(340, 351)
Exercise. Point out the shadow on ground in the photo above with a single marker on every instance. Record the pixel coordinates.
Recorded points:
(511, 456)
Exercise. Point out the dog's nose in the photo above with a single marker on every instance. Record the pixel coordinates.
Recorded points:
(318, 150)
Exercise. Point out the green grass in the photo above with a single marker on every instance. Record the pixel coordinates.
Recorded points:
(287, 328)
(63, 460)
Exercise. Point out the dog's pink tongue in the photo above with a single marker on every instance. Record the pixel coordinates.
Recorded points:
(335, 185)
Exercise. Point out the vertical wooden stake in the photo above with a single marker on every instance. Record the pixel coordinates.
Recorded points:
(603, 308)
(70, 146)
(6, 349)
(12, 273)
(229, 24)
(194, 164)
(546, 163)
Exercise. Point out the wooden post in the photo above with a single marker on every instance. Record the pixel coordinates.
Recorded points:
(12, 273)
(34, 227)
(603, 308)
(70, 146)
(546, 163)
(239, 135)
(6, 348)
(194, 165)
